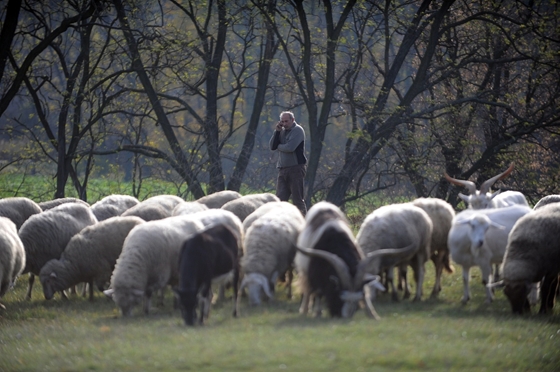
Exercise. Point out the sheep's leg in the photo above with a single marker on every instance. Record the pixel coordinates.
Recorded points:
(403, 281)
(30, 287)
(549, 286)
(90, 285)
(394, 294)
(466, 278)
(487, 279)
(290, 275)
(147, 304)
(438, 265)
(418, 269)
(496, 273)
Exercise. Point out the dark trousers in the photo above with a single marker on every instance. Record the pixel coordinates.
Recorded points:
(290, 183)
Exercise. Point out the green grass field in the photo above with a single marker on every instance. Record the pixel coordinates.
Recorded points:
(434, 335)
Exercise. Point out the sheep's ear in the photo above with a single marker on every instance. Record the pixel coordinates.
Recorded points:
(334, 279)
(53, 275)
(109, 292)
(497, 225)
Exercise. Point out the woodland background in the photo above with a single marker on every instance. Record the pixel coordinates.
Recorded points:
(391, 93)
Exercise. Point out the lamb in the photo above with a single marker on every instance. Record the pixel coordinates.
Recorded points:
(12, 255)
(205, 256)
(533, 255)
(18, 209)
(149, 261)
(89, 257)
(441, 213)
(45, 235)
(330, 263)
(113, 205)
(479, 238)
(50, 204)
(269, 250)
(219, 198)
(247, 204)
(188, 208)
(483, 198)
(154, 208)
(547, 200)
(404, 226)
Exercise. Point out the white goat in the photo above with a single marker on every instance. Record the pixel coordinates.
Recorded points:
(479, 238)
(483, 198)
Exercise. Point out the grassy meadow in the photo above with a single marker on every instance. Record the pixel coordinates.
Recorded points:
(433, 335)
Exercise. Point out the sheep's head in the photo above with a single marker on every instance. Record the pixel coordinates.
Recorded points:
(188, 302)
(126, 299)
(517, 293)
(256, 284)
(50, 278)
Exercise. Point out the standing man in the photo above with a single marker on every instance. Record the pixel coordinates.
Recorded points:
(289, 140)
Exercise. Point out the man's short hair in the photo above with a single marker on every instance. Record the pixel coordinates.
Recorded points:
(289, 113)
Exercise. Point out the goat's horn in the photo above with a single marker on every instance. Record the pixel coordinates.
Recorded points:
(469, 185)
(486, 185)
(337, 263)
(363, 265)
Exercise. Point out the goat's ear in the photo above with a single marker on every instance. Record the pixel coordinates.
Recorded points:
(494, 194)
(274, 277)
(497, 225)
(464, 198)
(109, 292)
(499, 284)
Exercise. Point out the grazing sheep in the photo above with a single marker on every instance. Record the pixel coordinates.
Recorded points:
(188, 208)
(277, 206)
(45, 235)
(533, 255)
(154, 208)
(206, 256)
(219, 198)
(89, 257)
(149, 261)
(441, 213)
(479, 238)
(269, 250)
(483, 198)
(12, 255)
(247, 204)
(18, 209)
(113, 205)
(404, 226)
(547, 200)
(330, 264)
(50, 204)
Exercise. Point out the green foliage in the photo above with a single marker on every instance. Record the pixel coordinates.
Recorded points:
(434, 335)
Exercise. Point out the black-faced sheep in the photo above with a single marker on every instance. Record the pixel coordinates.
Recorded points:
(18, 209)
(547, 200)
(219, 198)
(533, 255)
(247, 204)
(49, 204)
(154, 208)
(149, 261)
(330, 264)
(12, 255)
(441, 213)
(206, 255)
(113, 205)
(89, 257)
(269, 250)
(45, 235)
(479, 238)
(398, 226)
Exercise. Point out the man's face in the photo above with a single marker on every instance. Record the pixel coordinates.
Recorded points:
(286, 121)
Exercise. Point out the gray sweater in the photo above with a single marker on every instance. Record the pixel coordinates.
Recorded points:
(290, 145)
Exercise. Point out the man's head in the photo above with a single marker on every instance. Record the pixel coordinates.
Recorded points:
(287, 119)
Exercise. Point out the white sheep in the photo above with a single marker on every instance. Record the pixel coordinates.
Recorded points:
(18, 209)
(188, 207)
(533, 256)
(219, 198)
(154, 208)
(247, 204)
(49, 204)
(441, 213)
(264, 209)
(269, 250)
(113, 205)
(395, 226)
(45, 235)
(483, 198)
(479, 238)
(12, 255)
(89, 257)
(547, 200)
(149, 261)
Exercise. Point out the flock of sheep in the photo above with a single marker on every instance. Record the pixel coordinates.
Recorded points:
(135, 250)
